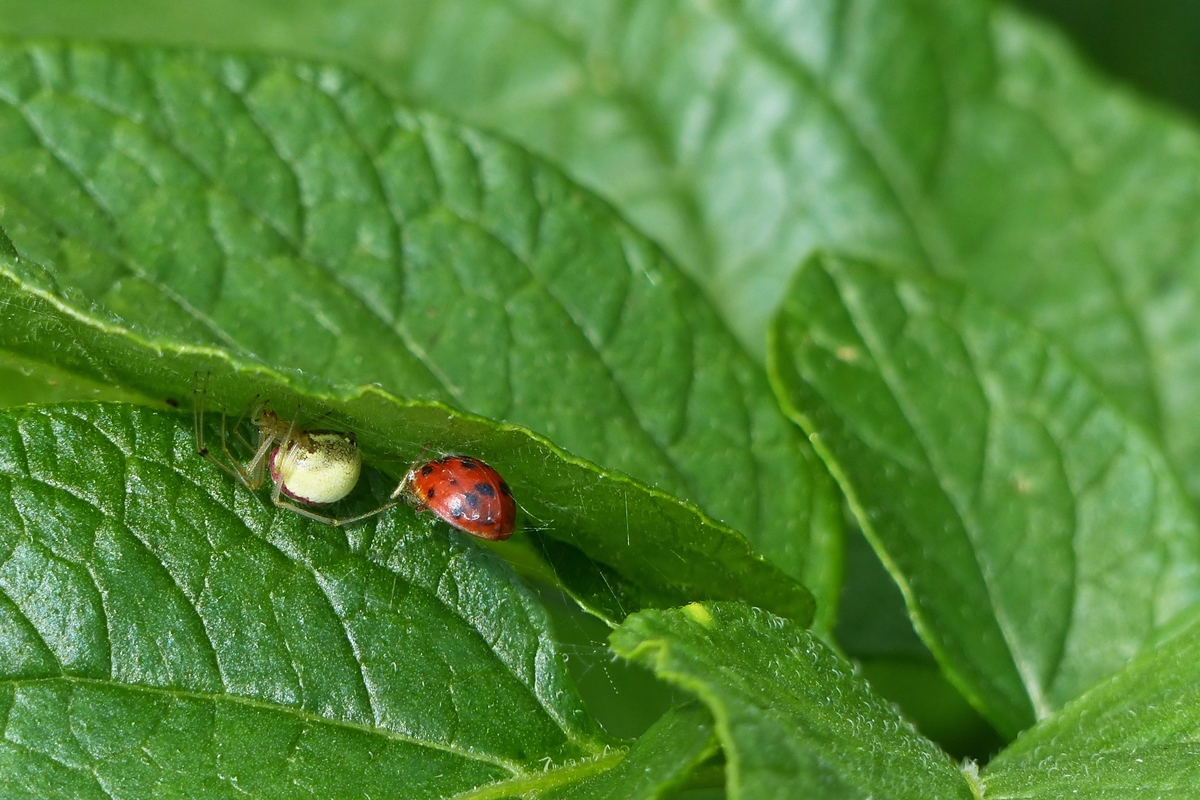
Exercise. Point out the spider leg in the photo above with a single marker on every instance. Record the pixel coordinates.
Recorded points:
(317, 421)
(199, 403)
(253, 404)
(199, 399)
(230, 470)
(367, 515)
(334, 521)
(266, 438)
(281, 502)
(231, 465)
(241, 440)
(248, 478)
(257, 466)
(257, 407)
(401, 490)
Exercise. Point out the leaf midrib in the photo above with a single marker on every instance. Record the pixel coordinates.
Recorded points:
(261, 705)
(965, 519)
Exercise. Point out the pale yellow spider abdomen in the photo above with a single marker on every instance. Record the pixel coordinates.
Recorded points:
(317, 467)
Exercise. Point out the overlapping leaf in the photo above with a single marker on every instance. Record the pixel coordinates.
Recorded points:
(289, 216)
(1136, 735)
(656, 763)
(793, 718)
(1041, 537)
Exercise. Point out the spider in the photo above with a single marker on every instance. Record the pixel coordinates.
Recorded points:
(312, 467)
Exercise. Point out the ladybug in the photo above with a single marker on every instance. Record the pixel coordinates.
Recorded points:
(465, 492)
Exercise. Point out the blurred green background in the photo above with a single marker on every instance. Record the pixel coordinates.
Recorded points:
(1152, 45)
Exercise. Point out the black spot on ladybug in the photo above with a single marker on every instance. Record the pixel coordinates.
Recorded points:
(429, 493)
(485, 489)
(467, 463)
(504, 490)
(427, 470)
(471, 499)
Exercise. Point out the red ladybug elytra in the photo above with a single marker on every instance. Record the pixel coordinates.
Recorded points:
(466, 493)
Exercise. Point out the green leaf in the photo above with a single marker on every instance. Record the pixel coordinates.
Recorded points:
(252, 215)
(677, 742)
(1135, 735)
(1131, 172)
(793, 718)
(24, 381)
(163, 629)
(952, 135)
(1040, 537)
